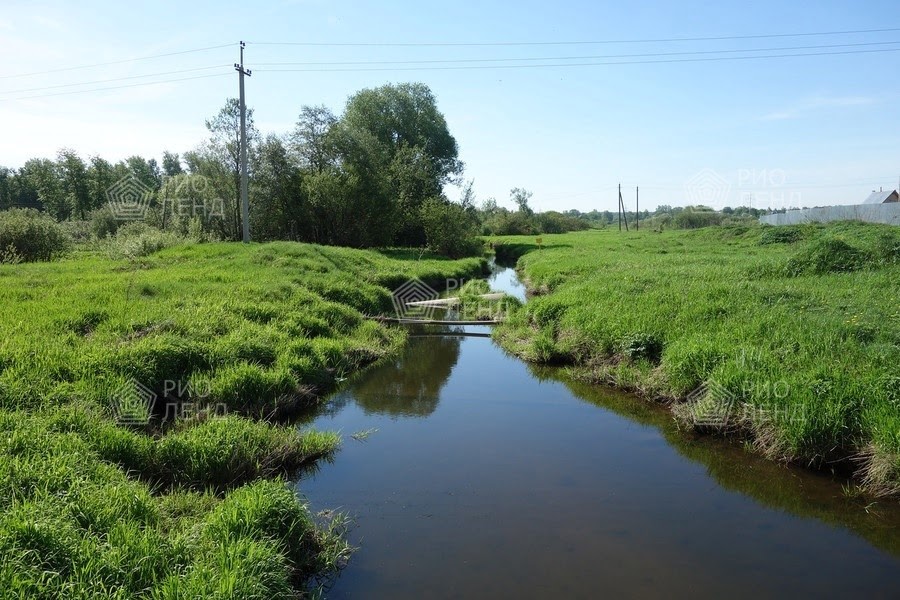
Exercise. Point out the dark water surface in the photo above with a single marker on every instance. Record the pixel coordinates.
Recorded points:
(490, 478)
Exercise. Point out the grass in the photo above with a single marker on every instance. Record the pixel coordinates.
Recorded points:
(797, 327)
(229, 339)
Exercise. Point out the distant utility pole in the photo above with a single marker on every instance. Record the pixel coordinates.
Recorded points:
(245, 202)
(619, 210)
(622, 214)
(637, 208)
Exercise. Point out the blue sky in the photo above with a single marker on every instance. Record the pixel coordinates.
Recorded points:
(808, 131)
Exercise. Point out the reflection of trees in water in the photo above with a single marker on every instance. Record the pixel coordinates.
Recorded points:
(793, 490)
(409, 386)
(332, 408)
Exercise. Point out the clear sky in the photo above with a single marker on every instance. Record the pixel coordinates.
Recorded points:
(808, 130)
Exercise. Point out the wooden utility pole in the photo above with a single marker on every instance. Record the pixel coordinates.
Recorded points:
(245, 202)
(619, 209)
(622, 215)
(637, 208)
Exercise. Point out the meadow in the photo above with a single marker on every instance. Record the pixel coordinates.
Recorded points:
(788, 336)
(187, 498)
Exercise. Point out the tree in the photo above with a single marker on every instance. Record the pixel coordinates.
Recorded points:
(467, 196)
(365, 170)
(101, 176)
(280, 206)
(171, 164)
(412, 180)
(310, 138)
(334, 202)
(521, 197)
(406, 115)
(219, 161)
(145, 171)
(75, 185)
(7, 182)
(396, 144)
(490, 206)
(449, 228)
(42, 179)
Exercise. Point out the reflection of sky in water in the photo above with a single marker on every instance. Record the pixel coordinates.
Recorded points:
(505, 280)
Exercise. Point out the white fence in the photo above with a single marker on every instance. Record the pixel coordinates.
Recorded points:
(872, 213)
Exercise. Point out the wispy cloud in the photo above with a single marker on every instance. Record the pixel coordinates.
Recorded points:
(818, 103)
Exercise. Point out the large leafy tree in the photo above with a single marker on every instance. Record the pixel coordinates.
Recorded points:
(171, 164)
(406, 115)
(396, 142)
(310, 139)
(280, 206)
(145, 171)
(42, 179)
(7, 177)
(101, 176)
(74, 181)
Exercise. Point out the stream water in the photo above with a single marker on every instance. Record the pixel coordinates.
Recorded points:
(482, 476)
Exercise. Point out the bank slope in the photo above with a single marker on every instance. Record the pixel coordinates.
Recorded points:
(788, 335)
(98, 495)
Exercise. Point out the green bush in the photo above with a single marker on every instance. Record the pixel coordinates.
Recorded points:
(555, 222)
(697, 217)
(135, 240)
(104, 223)
(449, 229)
(28, 235)
(643, 346)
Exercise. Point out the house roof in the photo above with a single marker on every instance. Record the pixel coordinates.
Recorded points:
(879, 197)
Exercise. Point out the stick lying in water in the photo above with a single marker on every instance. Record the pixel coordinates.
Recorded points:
(433, 321)
(454, 301)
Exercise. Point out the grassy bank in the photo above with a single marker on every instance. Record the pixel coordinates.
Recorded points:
(106, 493)
(790, 336)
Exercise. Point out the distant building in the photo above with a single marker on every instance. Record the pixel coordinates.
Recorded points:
(882, 197)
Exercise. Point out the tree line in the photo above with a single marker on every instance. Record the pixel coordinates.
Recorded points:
(373, 176)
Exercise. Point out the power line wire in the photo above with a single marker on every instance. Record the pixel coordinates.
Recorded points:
(594, 57)
(454, 61)
(116, 87)
(116, 62)
(96, 81)
(578, 43)
(587, 64)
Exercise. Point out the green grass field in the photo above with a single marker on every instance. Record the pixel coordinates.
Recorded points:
(790, 336)
(96, 500)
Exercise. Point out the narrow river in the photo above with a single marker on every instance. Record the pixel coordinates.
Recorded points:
(483, 476)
